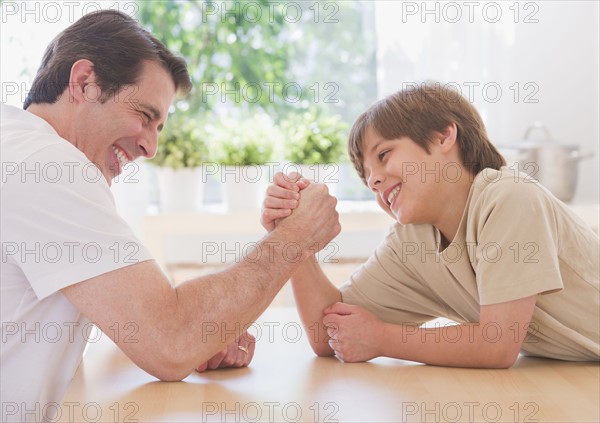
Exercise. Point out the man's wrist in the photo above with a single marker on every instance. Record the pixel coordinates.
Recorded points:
(296, 238)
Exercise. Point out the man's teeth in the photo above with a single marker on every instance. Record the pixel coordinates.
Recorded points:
(120, 155)
(393, 194)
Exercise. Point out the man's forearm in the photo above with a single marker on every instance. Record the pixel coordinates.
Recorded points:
(313, 293)
(219, 307)
(180, 328)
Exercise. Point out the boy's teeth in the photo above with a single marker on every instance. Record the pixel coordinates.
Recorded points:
(393, 194)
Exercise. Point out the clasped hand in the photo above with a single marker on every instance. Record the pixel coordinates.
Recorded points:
(355, 334)
(239, 353)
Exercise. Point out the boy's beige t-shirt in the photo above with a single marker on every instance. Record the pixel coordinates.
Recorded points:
(515, 240)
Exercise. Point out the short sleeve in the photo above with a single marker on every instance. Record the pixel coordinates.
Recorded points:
(516, 253)
(59, 222)
(385, 286)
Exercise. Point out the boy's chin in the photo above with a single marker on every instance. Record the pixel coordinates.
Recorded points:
(388, 211)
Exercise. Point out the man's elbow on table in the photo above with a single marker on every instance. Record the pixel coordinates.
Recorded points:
(170, 374)
(166, 352)
(166, 365)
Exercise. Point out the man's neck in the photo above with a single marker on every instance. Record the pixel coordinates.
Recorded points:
(53, 114)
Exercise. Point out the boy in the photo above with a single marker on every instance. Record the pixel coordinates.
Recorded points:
(475, 242)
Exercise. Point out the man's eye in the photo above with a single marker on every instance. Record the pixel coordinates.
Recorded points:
(147, 116)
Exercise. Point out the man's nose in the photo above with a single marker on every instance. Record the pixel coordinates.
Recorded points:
(148, 144)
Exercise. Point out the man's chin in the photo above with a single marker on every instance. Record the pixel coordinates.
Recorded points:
(110, 176)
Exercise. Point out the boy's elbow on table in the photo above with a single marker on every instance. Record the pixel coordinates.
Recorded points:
(503, 358)
(507, 361)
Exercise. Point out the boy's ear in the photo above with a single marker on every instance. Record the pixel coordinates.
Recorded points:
(447, 138)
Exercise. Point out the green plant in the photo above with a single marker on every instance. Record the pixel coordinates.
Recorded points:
(246, 52)
(312, 138)
(243, 142)
(228, 45)
(181, 144)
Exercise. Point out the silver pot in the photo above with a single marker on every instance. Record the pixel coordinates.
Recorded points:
(554, 165)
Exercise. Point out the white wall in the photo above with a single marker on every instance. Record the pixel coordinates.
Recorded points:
(557, 55)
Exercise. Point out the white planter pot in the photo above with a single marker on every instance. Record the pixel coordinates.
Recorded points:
(243, 187)
(180, 190)
(325, 173)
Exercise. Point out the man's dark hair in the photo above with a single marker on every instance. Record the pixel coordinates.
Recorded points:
(117, 46)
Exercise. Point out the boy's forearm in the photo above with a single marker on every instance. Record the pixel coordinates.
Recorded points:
(313, 293)
(464, 345)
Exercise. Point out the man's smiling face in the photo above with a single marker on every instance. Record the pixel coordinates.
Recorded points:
(126, 125)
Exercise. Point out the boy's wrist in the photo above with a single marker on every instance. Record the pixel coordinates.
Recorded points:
(307, 267)
(384, 340)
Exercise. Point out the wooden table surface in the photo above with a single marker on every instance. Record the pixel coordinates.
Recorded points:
(286, 382)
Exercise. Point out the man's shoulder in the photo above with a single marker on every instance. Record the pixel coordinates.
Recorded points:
(25, 135)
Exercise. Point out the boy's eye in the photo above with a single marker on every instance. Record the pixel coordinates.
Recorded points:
(381, 155)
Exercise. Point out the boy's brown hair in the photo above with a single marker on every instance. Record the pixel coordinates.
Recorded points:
(117, 46)
(416, 112)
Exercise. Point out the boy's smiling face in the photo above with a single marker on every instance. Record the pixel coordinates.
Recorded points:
(407, 180)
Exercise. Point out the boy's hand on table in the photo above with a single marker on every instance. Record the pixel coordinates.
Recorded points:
(355, 334)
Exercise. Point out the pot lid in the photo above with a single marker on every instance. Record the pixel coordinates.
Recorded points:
(537, 135)
(537, 127)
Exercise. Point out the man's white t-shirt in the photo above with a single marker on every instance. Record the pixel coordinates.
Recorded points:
(59, 226)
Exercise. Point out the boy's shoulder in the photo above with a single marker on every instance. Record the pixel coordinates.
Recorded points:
(508, 185)
(508, 199)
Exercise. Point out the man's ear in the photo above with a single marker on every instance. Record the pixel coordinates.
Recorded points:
(447, 138)
(82, 82)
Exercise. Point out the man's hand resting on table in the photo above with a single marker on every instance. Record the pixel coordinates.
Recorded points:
(237, 354)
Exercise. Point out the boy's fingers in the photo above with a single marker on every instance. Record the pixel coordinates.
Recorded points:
(279, 192)
(278, 203)
(287, 181)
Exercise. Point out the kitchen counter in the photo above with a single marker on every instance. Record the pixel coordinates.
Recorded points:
(364, 225)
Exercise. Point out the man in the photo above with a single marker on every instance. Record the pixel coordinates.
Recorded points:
(98, 101)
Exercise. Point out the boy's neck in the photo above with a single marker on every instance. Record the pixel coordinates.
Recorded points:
(452, 208)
